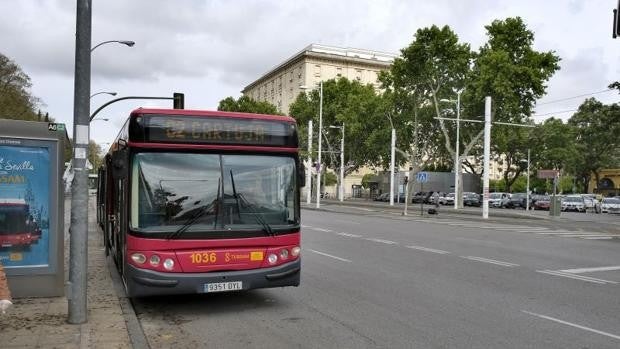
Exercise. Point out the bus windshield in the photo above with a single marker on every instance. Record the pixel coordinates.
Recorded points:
(13, 219)
(212, 191)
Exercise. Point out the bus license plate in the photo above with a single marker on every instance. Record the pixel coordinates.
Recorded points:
(223, 286)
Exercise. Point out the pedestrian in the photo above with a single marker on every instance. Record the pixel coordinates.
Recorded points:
(5, 293)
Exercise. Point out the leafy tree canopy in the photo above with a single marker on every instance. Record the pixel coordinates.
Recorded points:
(356, 106)
(246, 104)
(16, 101)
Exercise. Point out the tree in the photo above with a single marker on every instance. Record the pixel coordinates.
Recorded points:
(552, 144)
(431, 68)
(94, 155)
(597, 127)
(508, 69)
(346, 102)
(246, 104)
(16, 102)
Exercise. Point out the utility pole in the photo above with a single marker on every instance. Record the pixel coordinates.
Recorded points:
(318, 176)
(487, 156)
(527, 190)
(392, 157)
(78, 261)
(341, 191)
(458, 197)
(309, 167)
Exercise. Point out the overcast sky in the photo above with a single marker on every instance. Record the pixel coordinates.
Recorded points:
(211, 49)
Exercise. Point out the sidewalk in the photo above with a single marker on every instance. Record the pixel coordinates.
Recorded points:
(470, 213)
(42, 322)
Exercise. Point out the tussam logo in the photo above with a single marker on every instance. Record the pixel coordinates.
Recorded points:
(9, 165)
(55, 127)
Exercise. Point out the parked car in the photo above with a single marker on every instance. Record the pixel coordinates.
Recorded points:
(383, 197)
(542, 202)
(517, 200)
(472, 199)
(610, 205)
(449, 199)
(592, 203)
(574, 203)
(498, 199)
(418, 197)
(438, 197)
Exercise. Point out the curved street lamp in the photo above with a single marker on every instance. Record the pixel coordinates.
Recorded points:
(124, 42)
(103, 92)
(100, 119)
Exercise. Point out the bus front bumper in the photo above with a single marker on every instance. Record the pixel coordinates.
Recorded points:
(142, 282)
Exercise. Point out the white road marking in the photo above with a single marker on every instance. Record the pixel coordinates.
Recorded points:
(323, 230)
(590, 270)
(387, 242)
(572, 324)
(329, 255)
(560, 232)
(306, 226)
(576, 277)
(349, 235)
(598, 238)
(586, 235)
(492, 261)
(428, 249)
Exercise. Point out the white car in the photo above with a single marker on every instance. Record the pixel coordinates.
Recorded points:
(573, 203)
(498, 199)
(610, 205)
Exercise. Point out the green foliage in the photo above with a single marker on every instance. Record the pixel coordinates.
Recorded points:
(246, 104)
(356, 106)
(508, 69)
(95, 155)
(553, 145)
(366, 179)
(432, 67)
(16, 102)
(597, 130)
(329, 179)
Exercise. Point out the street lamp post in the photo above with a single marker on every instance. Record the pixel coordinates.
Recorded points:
(124, 42)
(341, 187)
(99, 119)
(103, 92)
(318, 176)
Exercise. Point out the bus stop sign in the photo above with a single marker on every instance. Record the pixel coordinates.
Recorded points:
(421, 177)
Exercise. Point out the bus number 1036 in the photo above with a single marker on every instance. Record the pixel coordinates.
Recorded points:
(203, 258)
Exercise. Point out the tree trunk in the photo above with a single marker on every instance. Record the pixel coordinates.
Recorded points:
(5, 293)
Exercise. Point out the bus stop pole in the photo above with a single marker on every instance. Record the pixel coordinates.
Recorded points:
(309, 167)
(78, 231)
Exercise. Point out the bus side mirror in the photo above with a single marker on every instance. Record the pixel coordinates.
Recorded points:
(119, 164)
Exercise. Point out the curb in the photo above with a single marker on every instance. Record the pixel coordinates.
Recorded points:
(134, 328)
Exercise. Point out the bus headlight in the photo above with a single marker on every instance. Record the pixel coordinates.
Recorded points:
(154, 260)
(284, 253)
(295, 251)
(272, 258)
(138, 258)
(168, 264)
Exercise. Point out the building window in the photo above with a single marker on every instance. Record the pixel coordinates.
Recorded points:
(317, 70)
(358, 74)
(338, 72)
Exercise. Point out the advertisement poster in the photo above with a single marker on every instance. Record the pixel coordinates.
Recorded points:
(24, 206)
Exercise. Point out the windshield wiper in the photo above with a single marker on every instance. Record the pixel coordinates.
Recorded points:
(266, 227)
(191, 221)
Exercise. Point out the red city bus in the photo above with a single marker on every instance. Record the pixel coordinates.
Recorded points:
(17, 228)
(202, 201)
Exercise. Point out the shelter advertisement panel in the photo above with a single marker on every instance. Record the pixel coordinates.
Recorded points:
(25, 198)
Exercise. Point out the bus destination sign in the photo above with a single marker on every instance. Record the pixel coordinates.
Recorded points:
(213, 130)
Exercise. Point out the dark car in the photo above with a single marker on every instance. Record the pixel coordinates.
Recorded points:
(383, 197)
(419, 197)
(472, 199)
(517, 200)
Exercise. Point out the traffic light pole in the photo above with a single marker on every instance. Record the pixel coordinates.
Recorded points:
(177, 98)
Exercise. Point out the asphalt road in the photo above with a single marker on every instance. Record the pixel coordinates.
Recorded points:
(375, 280)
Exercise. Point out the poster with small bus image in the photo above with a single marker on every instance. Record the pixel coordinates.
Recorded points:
(24, 205)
